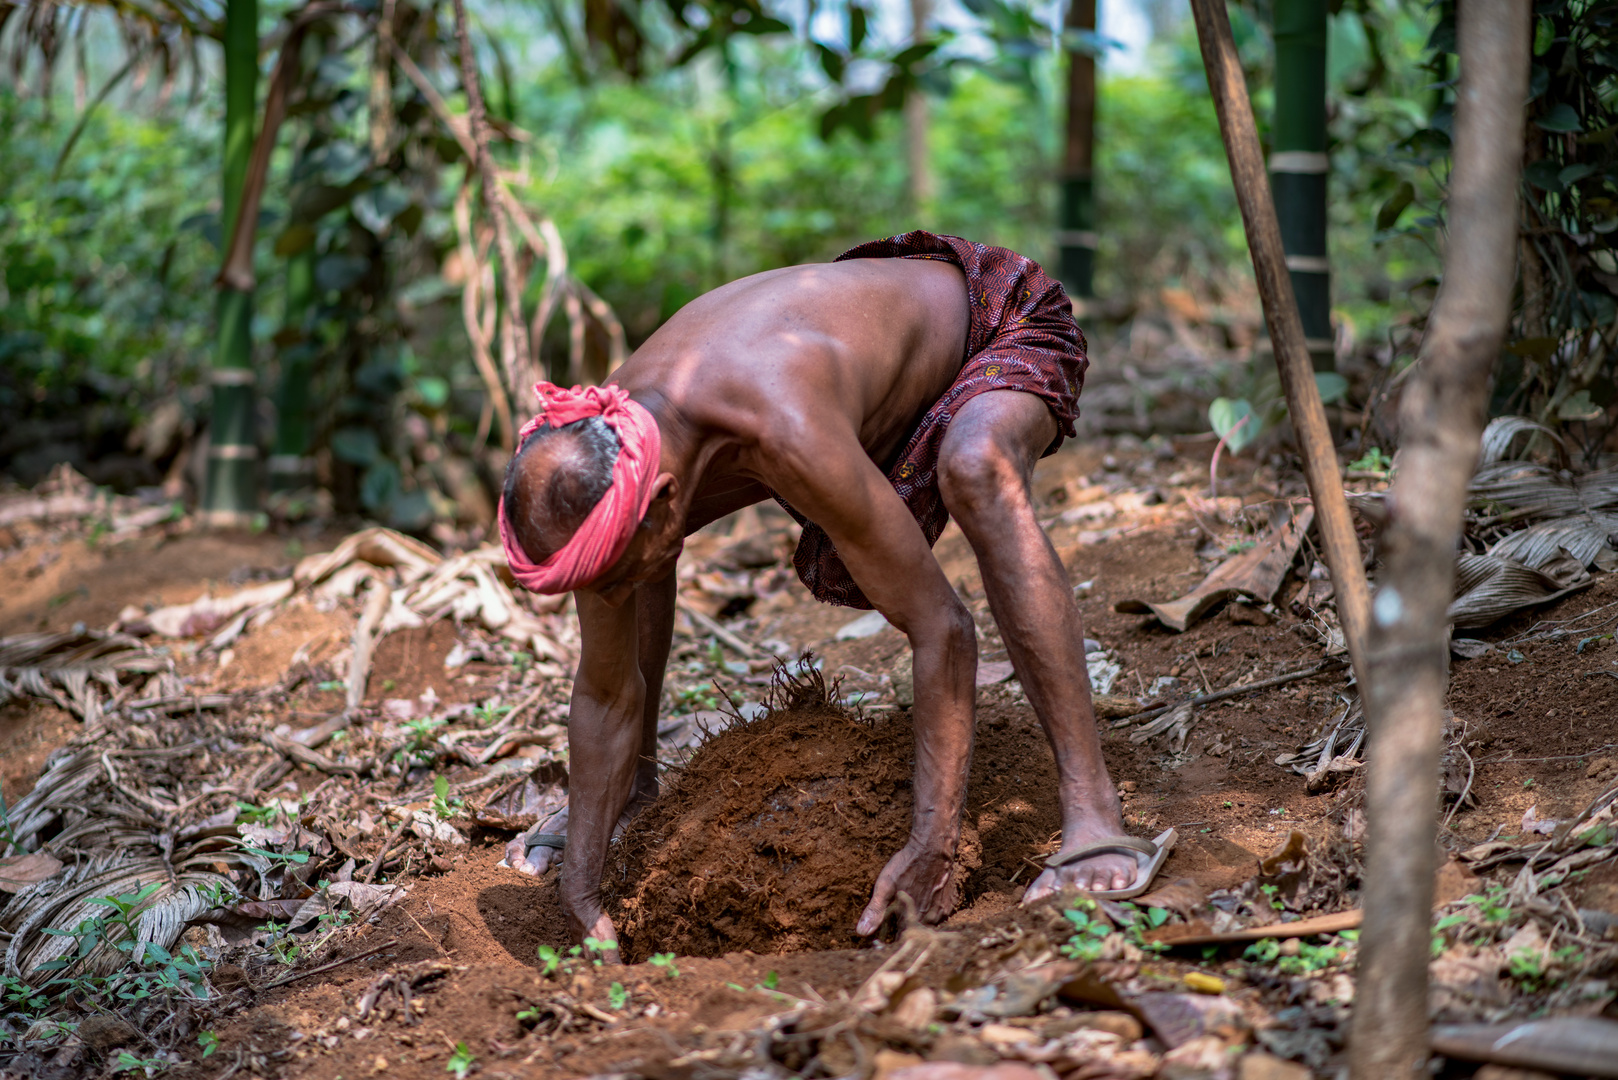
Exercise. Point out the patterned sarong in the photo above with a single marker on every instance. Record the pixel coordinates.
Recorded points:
(1022, 337)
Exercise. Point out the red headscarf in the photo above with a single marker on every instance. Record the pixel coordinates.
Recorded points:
(606, 532)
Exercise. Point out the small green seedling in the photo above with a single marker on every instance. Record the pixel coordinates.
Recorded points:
(209, 1042)
(1373, 461)
(1270, 892)
(771, 980)
(597, 948)
(128, 1062)
(1088, 933)
(550, 958)
(460, 1062)
(617, 996)
(665, 960)
(443, 805)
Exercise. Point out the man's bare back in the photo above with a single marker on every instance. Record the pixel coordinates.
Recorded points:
(805, 383)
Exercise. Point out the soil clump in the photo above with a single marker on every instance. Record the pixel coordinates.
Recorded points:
(770, 838)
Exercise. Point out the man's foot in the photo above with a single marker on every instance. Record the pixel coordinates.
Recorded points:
(1102, 872)
(527, 857)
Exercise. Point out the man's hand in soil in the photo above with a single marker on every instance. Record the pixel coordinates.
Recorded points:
(807, 383)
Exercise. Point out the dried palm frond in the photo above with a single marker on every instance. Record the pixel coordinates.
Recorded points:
(70, 668)
(64, 902)
(1587, 537)
(1488, 587)
(1516, 490)
(1503, 431)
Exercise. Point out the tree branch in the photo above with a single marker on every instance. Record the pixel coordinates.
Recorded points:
(1441, 422)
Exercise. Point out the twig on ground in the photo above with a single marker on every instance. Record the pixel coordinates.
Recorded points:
(387, 846)
(305, 756)
(1235, 691)
(295, 976)
(711, 625)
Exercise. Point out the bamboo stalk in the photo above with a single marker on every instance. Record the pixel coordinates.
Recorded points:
(1441, 424)
(1240, 133)
(230, 495)
(1298, 164)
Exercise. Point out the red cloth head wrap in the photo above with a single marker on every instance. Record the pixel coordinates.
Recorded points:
(607, 530)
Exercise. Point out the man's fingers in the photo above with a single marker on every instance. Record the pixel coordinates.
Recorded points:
(881, 897)
(604, 931)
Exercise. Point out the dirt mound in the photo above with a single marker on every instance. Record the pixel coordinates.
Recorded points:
(771, 838)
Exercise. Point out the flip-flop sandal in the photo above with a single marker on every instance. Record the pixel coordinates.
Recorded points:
(1149, 858)
(545, 840)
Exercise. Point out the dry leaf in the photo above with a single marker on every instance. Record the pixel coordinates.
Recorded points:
(20, 871)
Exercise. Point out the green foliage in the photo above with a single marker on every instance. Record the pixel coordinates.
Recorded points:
(209, 1043)
(1309, 958)
(1090, 931)
(421, 745)
(665, 960)
(460, 1062)
(445, 807)
(1374, 460)
(617, 996)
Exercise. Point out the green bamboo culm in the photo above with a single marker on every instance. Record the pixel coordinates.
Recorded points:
(1076, 226)
(1299, 164)
(289, 464)
(231, 496)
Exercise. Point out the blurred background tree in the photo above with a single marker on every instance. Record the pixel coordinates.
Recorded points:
(675, 146)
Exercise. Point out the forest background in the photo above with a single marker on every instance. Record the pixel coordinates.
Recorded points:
(671, 158)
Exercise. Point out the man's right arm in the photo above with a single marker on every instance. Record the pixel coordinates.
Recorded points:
(604, 744)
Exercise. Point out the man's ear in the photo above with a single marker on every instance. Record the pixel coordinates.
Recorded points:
(665, 489)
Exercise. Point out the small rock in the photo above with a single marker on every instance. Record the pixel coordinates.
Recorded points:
(1268, 1067)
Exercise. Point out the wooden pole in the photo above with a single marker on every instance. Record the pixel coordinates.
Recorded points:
(1341, 546)
(1076, 227)
(1441, 421)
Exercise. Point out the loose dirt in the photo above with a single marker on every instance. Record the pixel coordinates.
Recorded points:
(760, 854)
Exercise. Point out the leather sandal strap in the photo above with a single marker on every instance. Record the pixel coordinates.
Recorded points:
(550, 840)
(1121, 843)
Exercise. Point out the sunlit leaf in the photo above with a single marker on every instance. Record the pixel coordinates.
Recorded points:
(1234, 421)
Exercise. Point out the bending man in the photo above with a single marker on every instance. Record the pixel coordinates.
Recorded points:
(913, 379)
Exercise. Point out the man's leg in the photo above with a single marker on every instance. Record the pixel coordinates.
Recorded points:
(985, 466)
(655, 618)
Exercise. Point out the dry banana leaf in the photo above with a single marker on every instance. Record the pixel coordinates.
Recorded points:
(1256, 573)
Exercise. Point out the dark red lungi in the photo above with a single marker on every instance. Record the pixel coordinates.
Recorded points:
(1022, 337)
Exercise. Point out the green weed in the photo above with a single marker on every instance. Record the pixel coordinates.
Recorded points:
(665, 960)
(421, 747)
(443, 806)
(209, 1042)
(1088, 932)
(617, 996)
(460, 1062)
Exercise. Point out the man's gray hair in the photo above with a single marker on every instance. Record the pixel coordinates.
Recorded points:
(555, 479)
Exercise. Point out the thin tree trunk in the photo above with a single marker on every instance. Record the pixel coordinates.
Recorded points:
(1298, 165)
(1441, 420)
(289, 464)
(231, 497)
(1308, 415)
(1076, 236)
(513, 331)
(916, 144)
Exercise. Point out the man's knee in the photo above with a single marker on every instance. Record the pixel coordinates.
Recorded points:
(978, 475)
